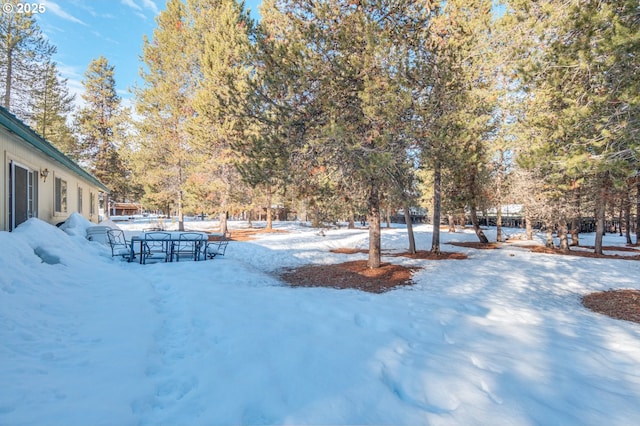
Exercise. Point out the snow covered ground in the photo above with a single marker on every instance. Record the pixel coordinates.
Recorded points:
(498, 339)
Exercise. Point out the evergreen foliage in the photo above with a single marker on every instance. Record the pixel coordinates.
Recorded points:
(165, 153)
(49, 108)
(335, 104)
(220, 98)
(101, 126)
(25, 55)
(453, 103)
(580, 113)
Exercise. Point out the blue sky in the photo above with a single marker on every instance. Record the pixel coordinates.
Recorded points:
(85, 29)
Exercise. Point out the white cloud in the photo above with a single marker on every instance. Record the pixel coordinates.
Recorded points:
(131, 4)
(68, 71)
(149, 4)
(57, 10)
(146, 4)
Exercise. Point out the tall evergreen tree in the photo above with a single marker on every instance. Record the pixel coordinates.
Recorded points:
(582, 93)
(49, 109)
(101, 125)
(24, 52)
(165, 155)
(220, 99)
(274, 110)
(351, 61)
(453, 102)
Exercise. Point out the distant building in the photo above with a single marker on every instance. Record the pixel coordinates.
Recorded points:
(40, 181)
(512, 216)
(125, 209)
(417, 215)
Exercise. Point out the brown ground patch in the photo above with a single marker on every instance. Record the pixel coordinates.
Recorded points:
(348, 250)
(420, 254)
(427, 255)
(580, 253)
(249, 234)
(354, 275)
(619, 304)
(477, 245)
(345, 250)
(615, 248)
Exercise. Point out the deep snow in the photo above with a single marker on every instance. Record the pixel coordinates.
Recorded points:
(498, 339)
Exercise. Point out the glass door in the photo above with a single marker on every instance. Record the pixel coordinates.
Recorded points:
(22, 194)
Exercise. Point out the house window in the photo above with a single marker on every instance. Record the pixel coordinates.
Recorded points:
(80, 200)
(92, 203)
(61, 195)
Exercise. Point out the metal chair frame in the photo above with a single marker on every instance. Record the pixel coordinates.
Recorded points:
(188, 244)
(120, 246)
(216, 248)
(156, 243)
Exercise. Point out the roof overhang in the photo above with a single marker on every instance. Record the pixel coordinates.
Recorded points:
(24, 132)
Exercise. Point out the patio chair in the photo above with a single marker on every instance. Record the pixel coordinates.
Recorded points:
(188, 245)
(120, 246)
(157, 245)
(216, 248)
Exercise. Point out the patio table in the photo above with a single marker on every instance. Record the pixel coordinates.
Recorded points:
(171, 239)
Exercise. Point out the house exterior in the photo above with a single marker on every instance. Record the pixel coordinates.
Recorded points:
(40, 181)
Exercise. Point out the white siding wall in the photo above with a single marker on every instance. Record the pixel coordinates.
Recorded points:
(14, 149)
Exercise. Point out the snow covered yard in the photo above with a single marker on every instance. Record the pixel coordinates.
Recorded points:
(498, 339)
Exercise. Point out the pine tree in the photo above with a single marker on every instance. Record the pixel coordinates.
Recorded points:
(101, 125)
(351, 59)
(49, 108)
(24, 52)
(165, 155)
(582, 87)
(220, 99)
(453, 103)
(273, 111)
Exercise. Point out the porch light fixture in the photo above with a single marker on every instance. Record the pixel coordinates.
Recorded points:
(44, 173)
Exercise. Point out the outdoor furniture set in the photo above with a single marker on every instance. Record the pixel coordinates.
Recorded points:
(167, 246)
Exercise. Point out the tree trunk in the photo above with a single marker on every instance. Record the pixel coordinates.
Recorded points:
(499, 224)
(373, 207)
(549, 236)
(388, 211)
(269, 212)
(621, 215)
(437, 181)
(562, 235)
(315, 223)
(528, 226)
(7, 82)
(576, 222)
(499, 196)
(452, 223)
(352, 218)
(412, 240)
(638, 212)
(223, 222)
(180, 212)
(575, 231)
(250, 224)
(225, 202)
(627, 218)
(601, 205)
(476, 226)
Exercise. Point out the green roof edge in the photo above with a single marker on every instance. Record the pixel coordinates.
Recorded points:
(16, 126)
